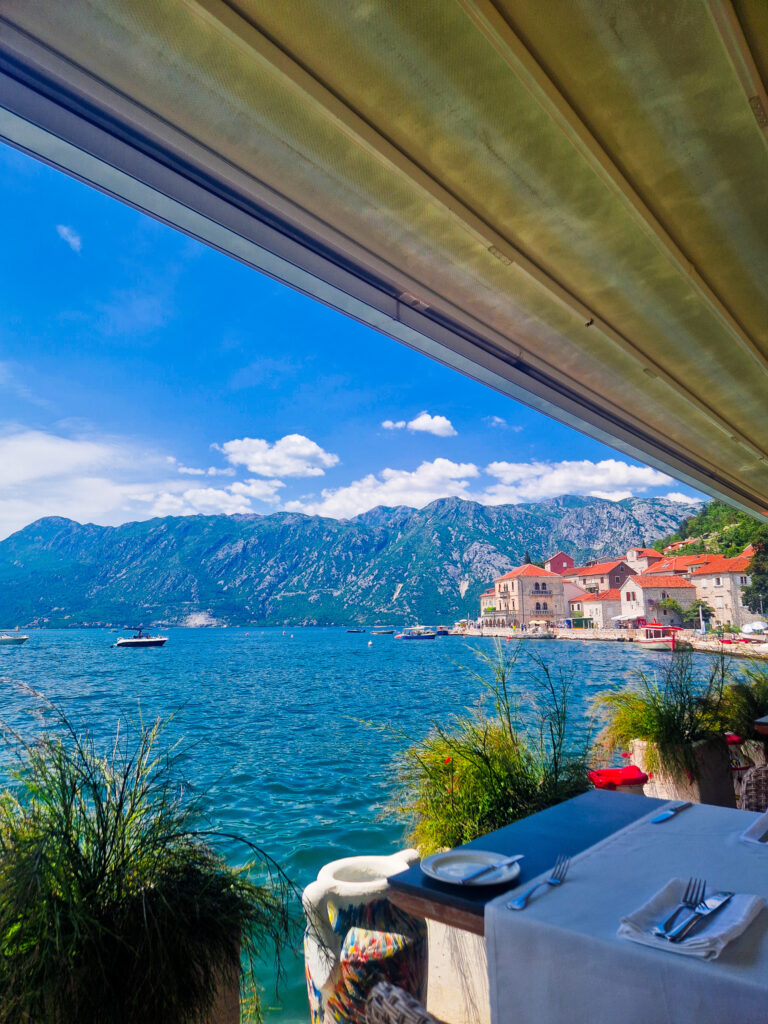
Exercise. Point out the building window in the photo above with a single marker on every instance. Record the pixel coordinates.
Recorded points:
(742, 581)
(718, 581)
(602, 579)
(536, 586)
(538, 607)
(663, 596)
(544, 605)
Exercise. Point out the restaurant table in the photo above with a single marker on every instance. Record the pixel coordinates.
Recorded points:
(561, 960)
(567, 828)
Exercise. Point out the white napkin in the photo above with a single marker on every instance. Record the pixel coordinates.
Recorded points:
(757, 829)
(708, 939)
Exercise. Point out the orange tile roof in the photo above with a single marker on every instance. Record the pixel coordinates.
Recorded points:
(721, 564)
(489, 593)
(614, 594)
(594, 570)
(527, 570)
(668, 582)
(580, 596)
(677, 563)
(646, 552)
(749, 550)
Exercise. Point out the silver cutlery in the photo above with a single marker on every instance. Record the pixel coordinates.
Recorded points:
(703, 910)
(559, 871)
(670, 813)
(491, 867)
(693, 895)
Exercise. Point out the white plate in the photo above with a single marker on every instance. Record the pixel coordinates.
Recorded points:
(455, 865)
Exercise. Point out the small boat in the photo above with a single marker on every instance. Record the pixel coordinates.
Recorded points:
(655, 637)
(538, 634)
(417, 633)
(140, 639)
(13, 638)
(382, 632)
(443, 631)
(355, 630)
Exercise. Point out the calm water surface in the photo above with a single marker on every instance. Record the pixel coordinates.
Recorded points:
(274, 724)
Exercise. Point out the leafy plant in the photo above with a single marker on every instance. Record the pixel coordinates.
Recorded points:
(487, 769)
(756, 594)
(114, 907)
(746, 700)
(670, 714)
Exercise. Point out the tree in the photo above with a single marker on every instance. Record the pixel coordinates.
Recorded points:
(527, 558)
(756, 594)
(671, 605)
(691, 615)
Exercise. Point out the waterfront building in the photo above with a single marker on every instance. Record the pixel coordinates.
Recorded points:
(488, 607)
(599, 576)
(678, 565)
(602, 608)
(559, 563)
(719, 582)
(641, 597)
(641, 559)
(528, 593)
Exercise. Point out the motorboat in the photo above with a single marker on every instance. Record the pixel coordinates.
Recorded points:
(382, 632)
(12, 638)
(538, 634)
(417, 633)
(355, 630)
(655, 637)
(443, 631)
(140, 639)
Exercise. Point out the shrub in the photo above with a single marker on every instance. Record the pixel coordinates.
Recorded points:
(113, 908)
(670, 714)
(746, 700)
(486, 768)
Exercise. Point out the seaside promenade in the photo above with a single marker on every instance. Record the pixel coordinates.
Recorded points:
(708, 645)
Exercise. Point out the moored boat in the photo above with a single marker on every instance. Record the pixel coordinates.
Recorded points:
(7, 639)
(382, 632)
(655, 637)
(417, 633)
(355, 630)
(140, 639)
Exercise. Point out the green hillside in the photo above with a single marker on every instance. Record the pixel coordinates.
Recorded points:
(718, 529)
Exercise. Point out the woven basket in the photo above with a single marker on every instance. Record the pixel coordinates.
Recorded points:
(754, 789)
(388, 1004)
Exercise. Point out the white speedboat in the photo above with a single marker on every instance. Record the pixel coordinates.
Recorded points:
(417, 633)
(12, 638)
(655, 637)
(140, 639)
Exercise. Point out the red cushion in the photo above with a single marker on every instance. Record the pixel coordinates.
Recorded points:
(733, 739)
(610, 778)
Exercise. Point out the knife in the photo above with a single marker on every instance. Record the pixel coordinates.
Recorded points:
(670, 812)
(707, 906)
(491, 867)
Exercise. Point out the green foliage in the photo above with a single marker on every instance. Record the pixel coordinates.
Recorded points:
(486, 769)
(114, 909)
(670, 714)
(691, 615)
(719, 528)
(746, 700)
(756, 594)
(671, 605)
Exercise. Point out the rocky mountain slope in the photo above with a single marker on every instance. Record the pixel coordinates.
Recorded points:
(391, 565)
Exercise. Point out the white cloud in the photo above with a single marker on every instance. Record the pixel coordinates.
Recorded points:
(29, 455)
(70, 236)
(261, 490)
(431, 480)
(440, 426)
(292, 455)
(500, 423)
(532, 481)
(190, 471)
(200, 501)
(682, 499)
(393, 424)
(227, 471)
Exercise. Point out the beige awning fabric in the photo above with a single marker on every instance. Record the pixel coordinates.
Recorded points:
(565, 201)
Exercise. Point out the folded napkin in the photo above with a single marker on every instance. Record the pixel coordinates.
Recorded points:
(757, 829)
(708, 939)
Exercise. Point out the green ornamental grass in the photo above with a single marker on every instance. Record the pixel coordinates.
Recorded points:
(114, 906)
(487, 768)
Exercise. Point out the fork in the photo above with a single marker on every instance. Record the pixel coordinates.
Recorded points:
(559, 871)
(694, 893)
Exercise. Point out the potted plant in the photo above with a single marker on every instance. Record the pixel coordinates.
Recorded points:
(673, 730)
(744, 701)
(114, 906)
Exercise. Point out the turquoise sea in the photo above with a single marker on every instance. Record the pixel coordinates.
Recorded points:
(276, 724)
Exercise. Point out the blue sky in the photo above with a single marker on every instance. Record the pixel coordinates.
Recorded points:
(143, 374)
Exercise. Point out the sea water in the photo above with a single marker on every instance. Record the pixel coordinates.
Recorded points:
(292, 735)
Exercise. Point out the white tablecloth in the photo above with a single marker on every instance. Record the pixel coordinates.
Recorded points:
(560, 961)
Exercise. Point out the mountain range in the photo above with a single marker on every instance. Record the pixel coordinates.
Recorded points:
(388, 565)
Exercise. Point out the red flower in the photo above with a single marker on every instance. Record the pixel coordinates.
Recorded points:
(447, 760)
(625, 754)
(650, 775)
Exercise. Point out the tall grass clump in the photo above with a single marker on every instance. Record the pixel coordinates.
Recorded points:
(114, 906)
(671, 713)
(745, 700)
(510, 756)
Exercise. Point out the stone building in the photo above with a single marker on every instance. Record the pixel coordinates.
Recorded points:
(528, 592)
(641, 559)
(719, 582)
(641, 596)
(559, 563)
(600, 576)
(602, 607)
